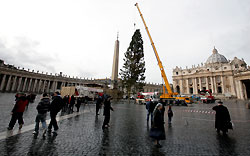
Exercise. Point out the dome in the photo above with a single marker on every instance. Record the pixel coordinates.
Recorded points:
(216, 58)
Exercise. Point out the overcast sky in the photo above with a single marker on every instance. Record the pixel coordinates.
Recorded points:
(77, 37)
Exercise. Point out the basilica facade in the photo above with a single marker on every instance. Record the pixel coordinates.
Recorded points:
(224, 78)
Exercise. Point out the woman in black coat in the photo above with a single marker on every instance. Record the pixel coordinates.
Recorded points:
(78, 103)
(158, 131)
(72, 103)
(106, 112)
(222, 118)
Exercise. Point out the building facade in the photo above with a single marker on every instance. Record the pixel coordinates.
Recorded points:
(224, 78)
(15, 79)
(153, 87)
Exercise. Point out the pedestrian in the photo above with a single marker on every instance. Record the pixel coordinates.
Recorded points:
(170, 114)
(157, 131)
(28, 101)
(65, 100)
(55, 107)
(149, 108)
(72, 103)
(222, 118)
(78, 103)
(17, 111)
(42, 109)
(98, 104)
(106, 112)
(87, 99)
(69, 99)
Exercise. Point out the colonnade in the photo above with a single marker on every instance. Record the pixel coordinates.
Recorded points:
(21, 83)
(192, 85)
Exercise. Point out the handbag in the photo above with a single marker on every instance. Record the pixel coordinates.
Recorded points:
(229, 125)
(154, 133)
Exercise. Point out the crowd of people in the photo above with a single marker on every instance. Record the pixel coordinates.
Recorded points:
(54, 104)
(156, 111)
(70, 102)
(155, 114)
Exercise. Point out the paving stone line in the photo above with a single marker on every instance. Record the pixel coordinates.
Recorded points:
(7, 134)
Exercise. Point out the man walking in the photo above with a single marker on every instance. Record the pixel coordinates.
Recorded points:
(17, 111)
(149, 114)
(98, 104)
(65, 101)
(106, 113)
(170, 115)
(222, 118)
(55, 107)
(72, 103)
(42, 108)
(152, 106)
(78, 103)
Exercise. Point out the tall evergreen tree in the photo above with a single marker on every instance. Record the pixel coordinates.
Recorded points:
(133, 70)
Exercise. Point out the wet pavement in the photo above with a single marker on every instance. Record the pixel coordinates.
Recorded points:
(192, 132)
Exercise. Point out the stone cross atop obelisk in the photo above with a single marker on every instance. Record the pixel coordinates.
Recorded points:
(114, 76)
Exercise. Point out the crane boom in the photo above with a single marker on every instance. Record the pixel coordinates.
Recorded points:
(163, 74)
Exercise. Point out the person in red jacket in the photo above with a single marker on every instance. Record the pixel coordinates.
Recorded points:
(17, 111)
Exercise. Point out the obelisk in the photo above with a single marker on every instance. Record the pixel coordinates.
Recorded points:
(114, 76)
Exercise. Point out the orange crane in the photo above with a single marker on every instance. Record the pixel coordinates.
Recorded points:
(170, 96)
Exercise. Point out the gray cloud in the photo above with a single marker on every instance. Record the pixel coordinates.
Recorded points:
(237, 43)
(23, 53)
(184, 32)
(82, 72)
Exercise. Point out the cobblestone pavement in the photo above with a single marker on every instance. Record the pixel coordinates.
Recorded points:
(192, 133)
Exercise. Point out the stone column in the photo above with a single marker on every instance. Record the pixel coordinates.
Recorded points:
(200, 83)
(215, 85)
(174, 86)
(8, 83)
(19, 84)
(43, 88)
(55, 86)
(241, 93)
(212, 84)
(207, 84)
(181, 86)
(39, 86)
(29, 86)
(63, 83)
(25, 84)
(34, 87)
(237, 89)
(232, 85)
(48, 87)
(195, 86)
(3, 82)
(222, 85)
(14, 84)
(187, 87)
(244, 91)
